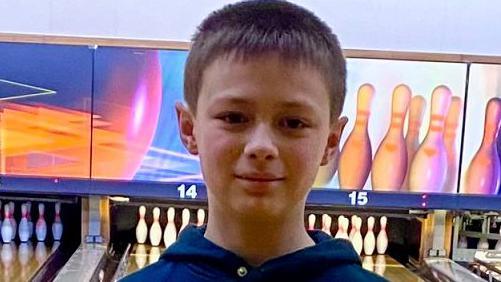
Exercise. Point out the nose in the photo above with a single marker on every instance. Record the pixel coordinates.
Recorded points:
(260, 145)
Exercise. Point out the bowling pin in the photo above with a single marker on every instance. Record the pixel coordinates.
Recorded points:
(57, 226)
(1, 213)
(170, 231)
(463, 242)
(326, 226)
(416, 111)
(6, 230)
(342, 228)
(155, 230)
(498, 244)
(200, 217)
(450, 132)
(140, 256)
(483, 244)
(370, 239)
(185, 219)
(24, 232)
(357, 239)
(352, 230)
(483, 174)
(311, 221)
(382, 237)
(428, 171)
(141, 228)
(356, 156)
(41, 226)
(13, 222)
(392, 149)
(30, 222)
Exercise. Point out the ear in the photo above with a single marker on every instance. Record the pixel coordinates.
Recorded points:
(186, 122)
(333, 141)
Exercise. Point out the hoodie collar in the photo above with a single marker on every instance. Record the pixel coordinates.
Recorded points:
(327, 252)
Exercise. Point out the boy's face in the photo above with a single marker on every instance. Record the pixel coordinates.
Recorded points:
(262, 129)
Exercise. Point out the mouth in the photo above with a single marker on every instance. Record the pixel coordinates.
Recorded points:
(259, 177)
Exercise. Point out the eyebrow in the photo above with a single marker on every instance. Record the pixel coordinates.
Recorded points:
(295, 104)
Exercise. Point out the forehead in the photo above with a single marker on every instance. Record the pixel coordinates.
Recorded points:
(267, 78)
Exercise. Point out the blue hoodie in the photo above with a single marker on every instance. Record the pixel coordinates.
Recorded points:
(194, 258)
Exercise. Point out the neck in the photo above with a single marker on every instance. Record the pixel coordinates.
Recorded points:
(257, 240)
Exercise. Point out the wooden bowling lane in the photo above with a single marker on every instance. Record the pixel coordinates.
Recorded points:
(143, 255)
(389, 268)
(19, 262)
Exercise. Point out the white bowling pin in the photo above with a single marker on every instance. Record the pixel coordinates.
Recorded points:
(355, 159)
(370, 239)
(353, 227)
(41, 226)
(357, 239)
(484, 172)
(200, 217)
(450, 132)
(141, 228)
(311, 221)
(416, 112)
(343, 223)
(6, 230)
(382, 237)
(326, 226)
(13, 222)
(483, 244)
(498, 244)
(392, 149)
(155, 230)
(140, 256)
(339, 227)
(185, 219)
(428, 171)
(57, 226)
(463, 242)
(170, 231)
(24, 228)
(30, 222)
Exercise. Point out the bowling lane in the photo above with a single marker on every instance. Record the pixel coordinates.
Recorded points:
(143, 255)
(389, 268)
(19, 262)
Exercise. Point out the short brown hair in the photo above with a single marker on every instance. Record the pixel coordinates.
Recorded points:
(250, 29)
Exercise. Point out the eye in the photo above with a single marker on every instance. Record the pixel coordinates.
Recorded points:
(293, 123)
(233, 118)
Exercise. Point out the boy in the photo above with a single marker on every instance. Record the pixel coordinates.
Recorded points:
(264, 86)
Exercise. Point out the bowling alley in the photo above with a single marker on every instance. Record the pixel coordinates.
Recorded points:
(250, 140)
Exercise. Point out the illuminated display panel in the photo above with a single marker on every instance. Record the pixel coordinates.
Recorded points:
(481, 154)
(138, 137)
(384, 75)
(45, 98)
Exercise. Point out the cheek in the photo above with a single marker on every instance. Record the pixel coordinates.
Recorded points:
(305, 160)
(216, 148)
